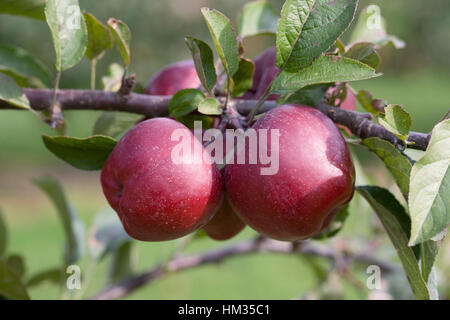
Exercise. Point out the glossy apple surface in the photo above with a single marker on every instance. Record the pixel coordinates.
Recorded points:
(155, 198)
(173, 78)
(315, 176)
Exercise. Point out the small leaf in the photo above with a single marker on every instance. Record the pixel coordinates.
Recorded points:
(396, 120)
(257, 18)
(310, 95)
(365, 99)
(12, 93)
(243, 78)
(3, 235)
(99, 37)
(73, 227)
(428, 253)
(123, 264)
(365, 52)
(371, 27)
(106, 234)
(113, 124)
(398, 164)
(11, 287)
(307, 28)
(51, 276)
(25, 69)
(224, 39)
(389, 210)
(17, 264)
(326, 69)
(336, 225)
(122, 36)
(210, 106)
(184, 102)
(87, 154)
(69, 33)
(429, 192)
(204, 63)
(27, 8)
(190, 119)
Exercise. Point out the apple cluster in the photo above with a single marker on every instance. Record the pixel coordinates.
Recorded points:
(158, 200)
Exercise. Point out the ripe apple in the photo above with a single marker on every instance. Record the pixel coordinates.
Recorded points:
(225, 224)
(173, 78)
(350, 100)
(155, 197)
(315, 176)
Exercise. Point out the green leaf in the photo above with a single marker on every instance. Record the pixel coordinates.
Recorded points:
(100, 38)
(210, 106)
(371, 27)
(27, 8)
(11, 287)
(190, 119)
(396, 120)
(123, 264)
(224, 39)
(428, 253)
(106, 234)
(389, 210)
(307, 28)
(17, 264)
(3, 235)
(204, 63)
(395, 161)
(310, 95)
(257, 18)
(122, 36)
(326, 69)
(12, 93)
(25, 69)
(73, 227)
(365, 99)
(365, 52)
(429, 191)
(184, 102)
(83, 153)
(336, 225)
(51, 276)
(113, 124)
(68, 30)
(243, 78)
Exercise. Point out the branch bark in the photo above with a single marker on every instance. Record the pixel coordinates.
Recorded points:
(256, 245)
(157, 106)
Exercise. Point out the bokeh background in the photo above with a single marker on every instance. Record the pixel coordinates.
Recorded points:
(418, 77)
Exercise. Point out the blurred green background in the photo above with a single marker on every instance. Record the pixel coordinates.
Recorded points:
(417, 77)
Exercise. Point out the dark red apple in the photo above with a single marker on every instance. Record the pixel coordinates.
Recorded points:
(156, 197)
(225, 224)
(315, 176)
(173, 78)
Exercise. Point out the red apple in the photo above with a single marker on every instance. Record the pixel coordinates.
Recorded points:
(315, 176)
(225, 224)
(155, 197)
(350, 100)
(173, 78)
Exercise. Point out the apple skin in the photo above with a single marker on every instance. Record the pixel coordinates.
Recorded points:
(225, 224)
(155, 198)
(315, 178)
(173, 78)
(350, 100)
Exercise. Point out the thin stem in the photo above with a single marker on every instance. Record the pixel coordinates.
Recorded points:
(93, 73)
(55, 89)
(258, 105)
